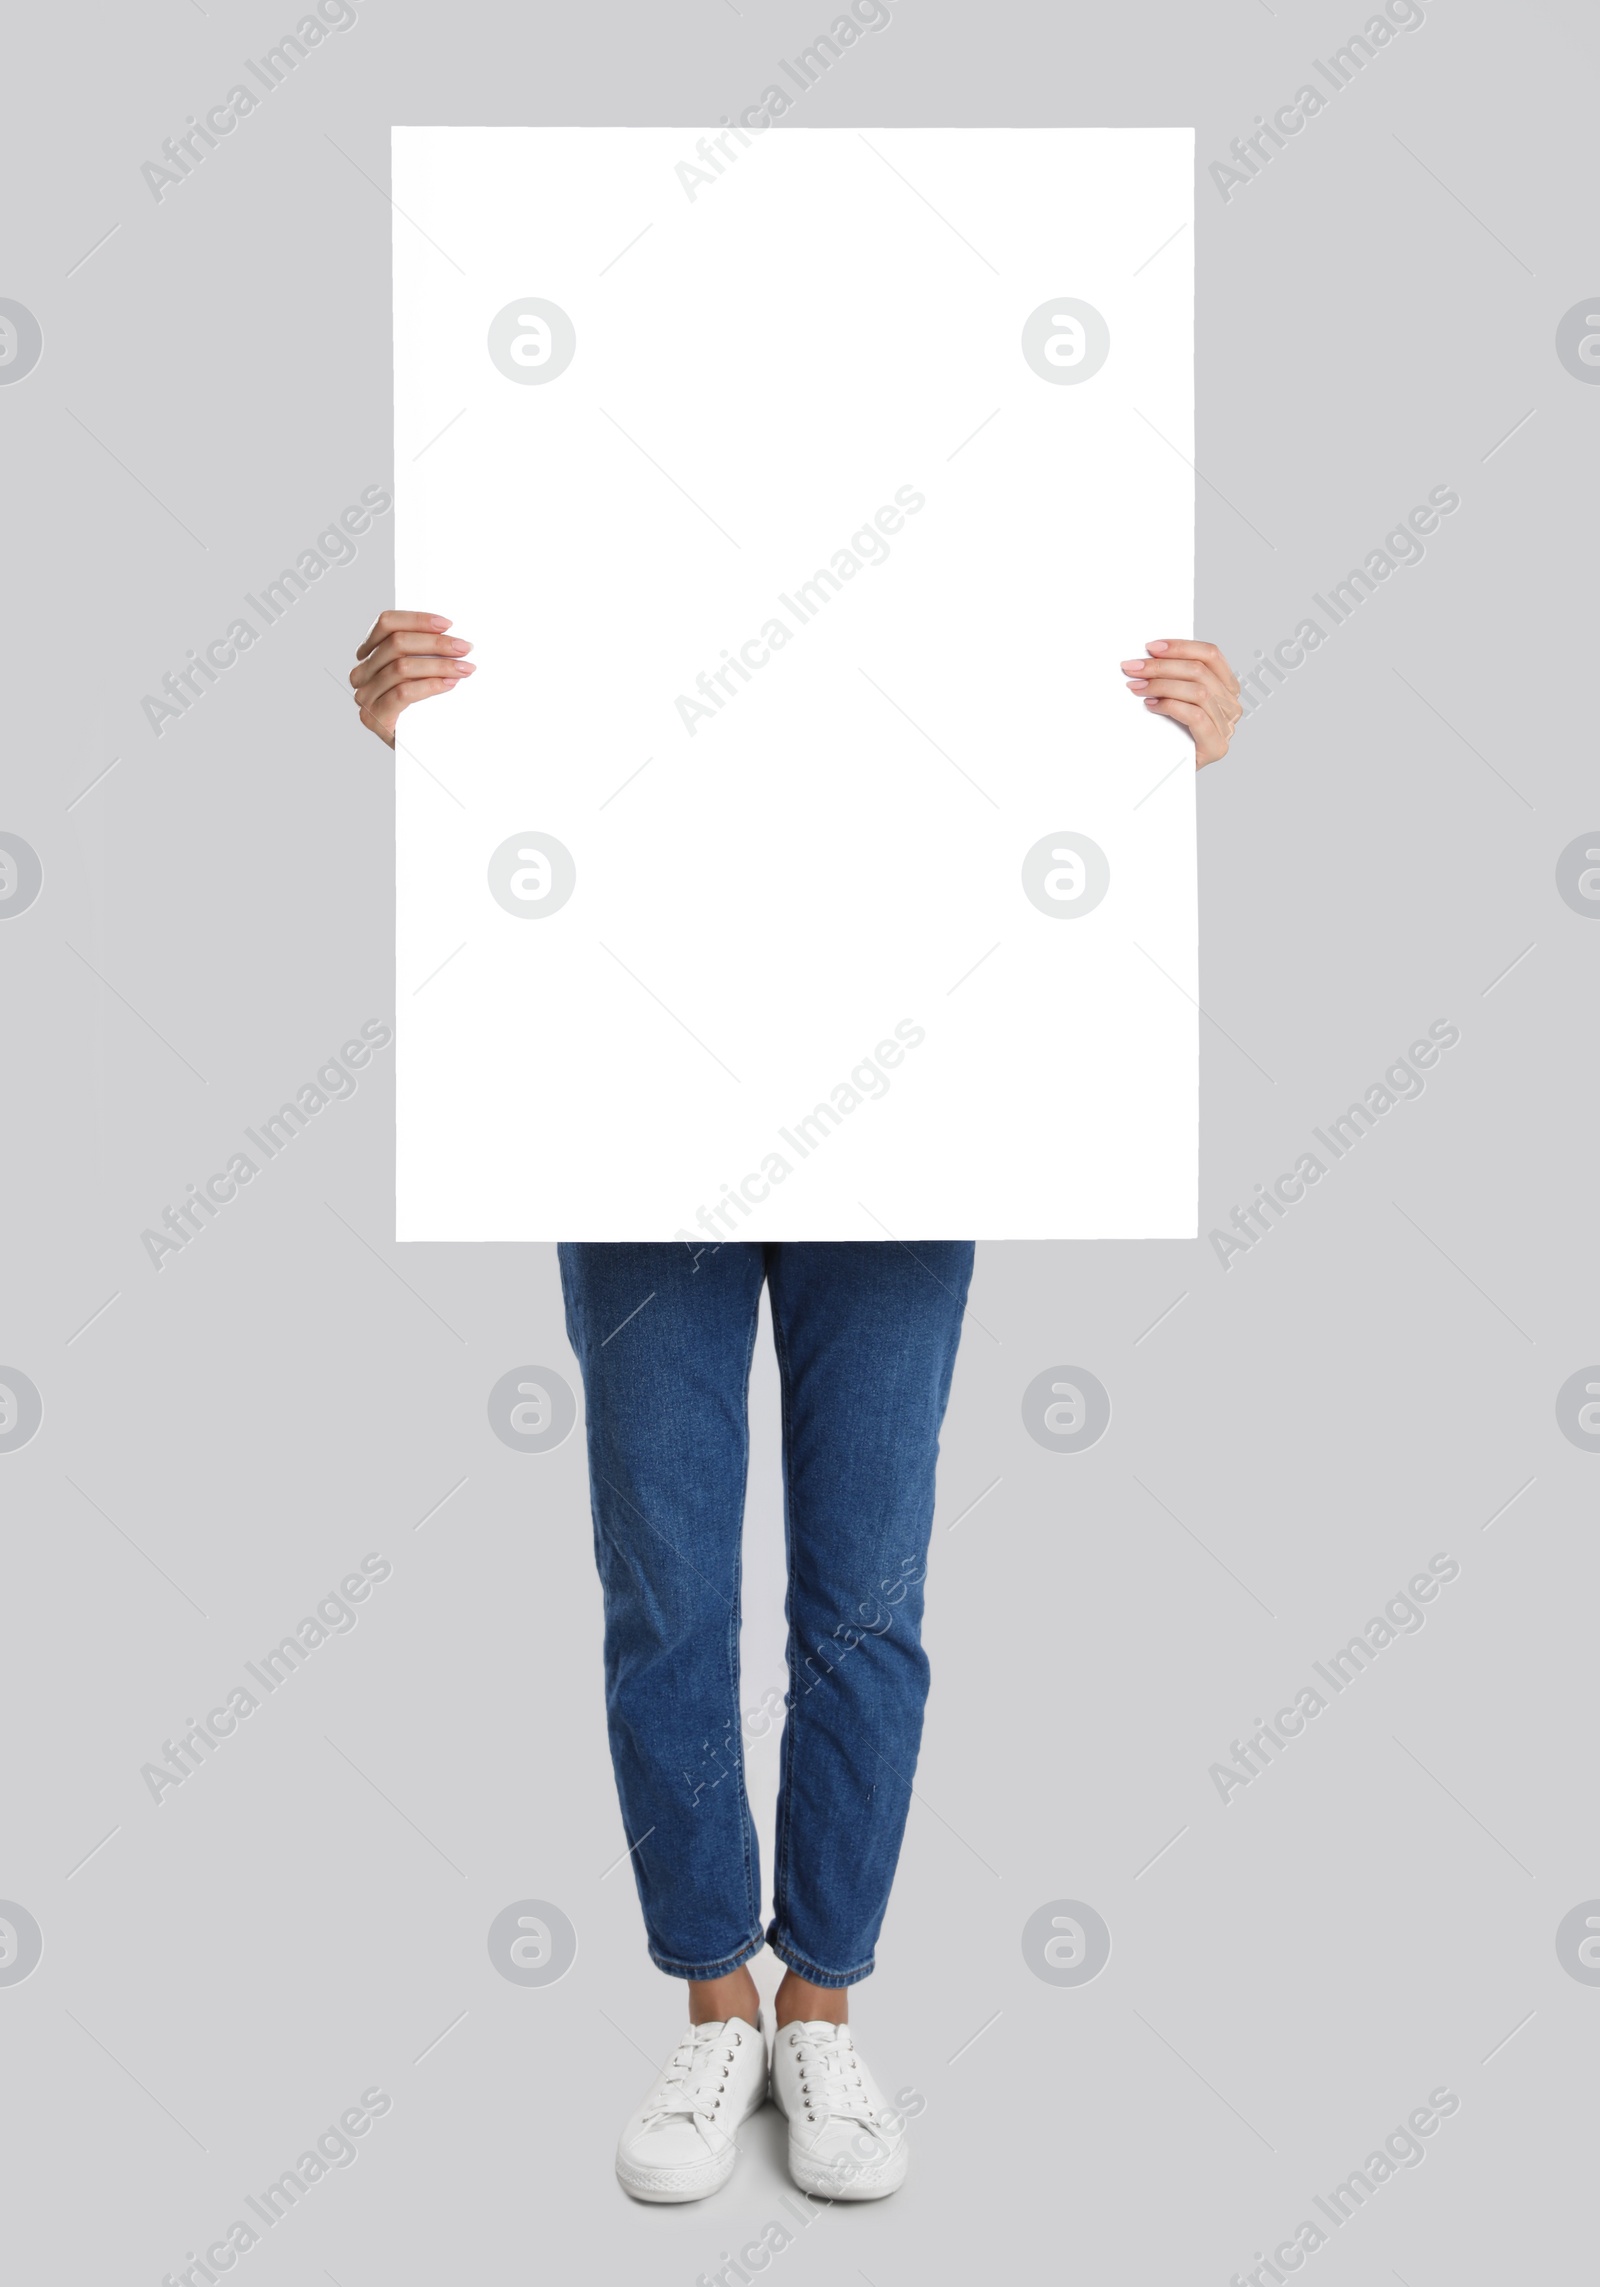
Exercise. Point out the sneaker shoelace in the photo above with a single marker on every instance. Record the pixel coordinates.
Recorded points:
(692, 2084)
(830, 2077)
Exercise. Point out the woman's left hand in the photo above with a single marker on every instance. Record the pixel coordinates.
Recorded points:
(1194, 684)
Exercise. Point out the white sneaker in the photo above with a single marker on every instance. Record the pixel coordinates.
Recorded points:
(845, 2142)
(680, 2144)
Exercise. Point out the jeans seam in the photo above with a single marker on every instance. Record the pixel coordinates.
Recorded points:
(746, 1831)
(780, 1871)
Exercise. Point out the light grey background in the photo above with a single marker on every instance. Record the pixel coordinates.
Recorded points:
(1290, 1438)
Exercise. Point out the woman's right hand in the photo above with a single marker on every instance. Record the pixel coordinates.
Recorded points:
(408, 656)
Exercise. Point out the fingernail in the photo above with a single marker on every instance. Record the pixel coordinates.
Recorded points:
(1136, 685)
(1152, 702)
(1163, 646)
(457, 644)
(435, 621)
(465, 667)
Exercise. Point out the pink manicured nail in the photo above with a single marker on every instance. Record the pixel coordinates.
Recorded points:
(1138, 686)
(1158, 647)
(1152, 702)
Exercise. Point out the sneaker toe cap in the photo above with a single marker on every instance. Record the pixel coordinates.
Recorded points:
(849, 2153)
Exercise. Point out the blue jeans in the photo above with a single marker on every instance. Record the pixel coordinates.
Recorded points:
(866, 1341)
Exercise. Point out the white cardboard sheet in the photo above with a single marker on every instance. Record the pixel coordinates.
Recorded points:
(764, 962)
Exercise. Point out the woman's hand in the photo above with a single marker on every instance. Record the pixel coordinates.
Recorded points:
(408, 656)
(1194, 684)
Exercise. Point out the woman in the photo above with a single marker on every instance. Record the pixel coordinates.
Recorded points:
(866, 1338)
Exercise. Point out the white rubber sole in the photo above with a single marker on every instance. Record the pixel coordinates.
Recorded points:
(668, 2185)
(696, 2181)
(872, 2182)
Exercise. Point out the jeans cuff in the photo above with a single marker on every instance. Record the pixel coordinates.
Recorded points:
(702, 1970)
(811, 1971)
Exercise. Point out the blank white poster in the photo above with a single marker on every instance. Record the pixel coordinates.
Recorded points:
(795, 865)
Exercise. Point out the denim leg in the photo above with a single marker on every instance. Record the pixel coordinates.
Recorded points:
(866, 1337)
(664, 1335)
